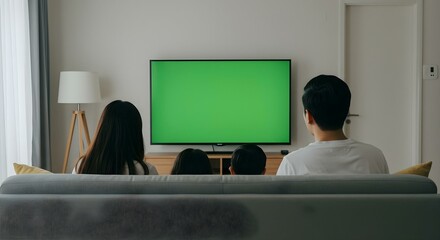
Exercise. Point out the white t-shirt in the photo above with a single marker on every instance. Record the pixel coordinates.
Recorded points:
(139, 169)
(334, 157)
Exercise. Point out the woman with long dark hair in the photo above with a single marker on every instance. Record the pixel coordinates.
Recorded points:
(118, 144)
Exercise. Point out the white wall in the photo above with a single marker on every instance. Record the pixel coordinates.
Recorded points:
(117, 38)
(431, 89)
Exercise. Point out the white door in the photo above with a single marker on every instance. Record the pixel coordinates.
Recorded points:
(380, 68)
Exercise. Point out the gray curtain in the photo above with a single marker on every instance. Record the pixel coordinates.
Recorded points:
(39, 38)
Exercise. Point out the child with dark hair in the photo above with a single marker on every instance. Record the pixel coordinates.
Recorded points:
(326, 102)
(248, 159)
(192, 161)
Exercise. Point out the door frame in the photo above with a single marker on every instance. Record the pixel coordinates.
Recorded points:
(416, 128)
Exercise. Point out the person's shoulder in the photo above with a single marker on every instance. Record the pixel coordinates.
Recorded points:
(77, 164)
(152, 169)
(292, 161)
(364, 145)
(138, 166)
(140, 170)
(369, 149)
(299, 153)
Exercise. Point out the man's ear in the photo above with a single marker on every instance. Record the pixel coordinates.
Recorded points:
(263, 172)
(308, 117)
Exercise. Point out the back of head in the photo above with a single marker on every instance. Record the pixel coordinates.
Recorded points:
(192, 161)
(248, 159)
(327, 98)
(118, 141)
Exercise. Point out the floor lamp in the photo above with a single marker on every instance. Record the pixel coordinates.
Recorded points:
(78, 87)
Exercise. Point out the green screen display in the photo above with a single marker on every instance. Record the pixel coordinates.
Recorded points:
(220, 101)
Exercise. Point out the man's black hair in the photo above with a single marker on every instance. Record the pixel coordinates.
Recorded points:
(327, 98)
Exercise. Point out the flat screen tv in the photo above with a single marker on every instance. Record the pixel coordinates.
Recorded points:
(220, 102)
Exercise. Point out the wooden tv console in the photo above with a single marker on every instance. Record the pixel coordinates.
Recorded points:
(220, 162)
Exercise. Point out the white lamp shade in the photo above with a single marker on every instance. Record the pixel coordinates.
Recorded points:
(79, 87)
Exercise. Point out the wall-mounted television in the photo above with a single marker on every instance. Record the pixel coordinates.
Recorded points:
(220, 102)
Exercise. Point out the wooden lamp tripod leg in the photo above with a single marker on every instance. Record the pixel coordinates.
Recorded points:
(69, 141)
(80, 138)
(83, 120)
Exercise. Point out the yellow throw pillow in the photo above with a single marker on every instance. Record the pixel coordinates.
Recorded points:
(420, 169)
(26, 169)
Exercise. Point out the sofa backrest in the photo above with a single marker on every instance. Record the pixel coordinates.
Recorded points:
(216, 184)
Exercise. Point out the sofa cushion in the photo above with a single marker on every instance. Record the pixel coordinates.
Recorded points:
(422, 169)
(26, 169)
(216, 184)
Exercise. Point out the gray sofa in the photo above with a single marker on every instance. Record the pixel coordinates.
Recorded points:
(64, 206)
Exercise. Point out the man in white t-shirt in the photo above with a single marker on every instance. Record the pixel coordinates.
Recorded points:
(326, 102)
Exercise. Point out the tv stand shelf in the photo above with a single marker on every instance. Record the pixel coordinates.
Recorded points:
(220, 162)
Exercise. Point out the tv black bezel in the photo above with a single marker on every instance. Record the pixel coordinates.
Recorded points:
(227, 143)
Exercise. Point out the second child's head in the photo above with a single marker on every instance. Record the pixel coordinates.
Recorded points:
(248, 159)
(327, 98)
(192, 161)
